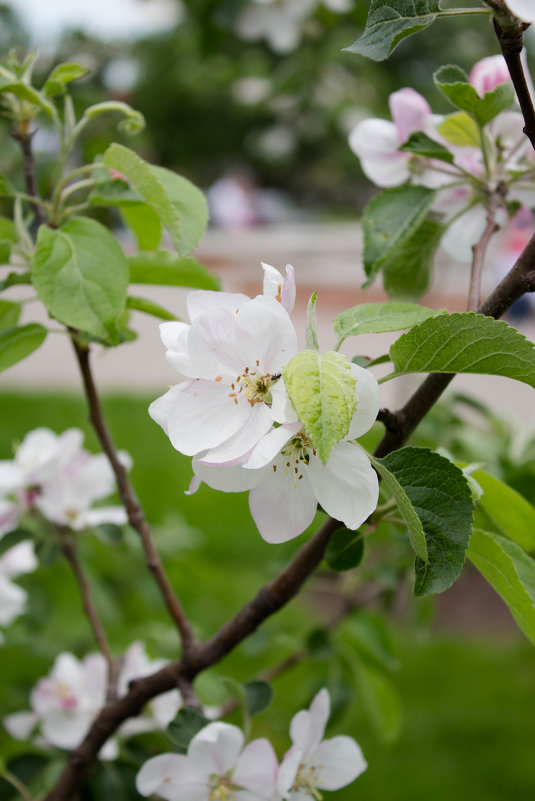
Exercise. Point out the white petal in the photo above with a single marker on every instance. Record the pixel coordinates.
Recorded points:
(171, 777)
(282, 506)
(523, 9)
(243, 441)
(225, 478)
(264, 332)
(367, 402)
(288, 289)
(308, 725)
(256, 769)
(12, 476)
(12, 601)
(288, 770)
(338, 762)
(215, 749)
(109, 751)
(376, 143)
(162, 407)
(282, 289)
(18, 560)
(171, 334)
(347, 486)
(204, 300)
(465, 232)
(267, 450)
(20, 724)
(66, 730)
(104, 514)
(10, 514)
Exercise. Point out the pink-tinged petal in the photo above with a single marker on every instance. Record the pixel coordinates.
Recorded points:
(238, 446)
(376, 143)
(12, 601)
(488, 73)
(162, 407)
(282, 506)
(256, 769)
(465, 232)
(365, 413)
(308, 725)
(205, 300)
(226, 478)
(338, 762)
(264, 332)
(282, 289)
(18, 560)
(523, 9)
(20, 725)
(288, 289)
(409, 111)
(288, 771)
(347, 486)
(215, 749)
(267, 450)
(171, 777)
(204, 416)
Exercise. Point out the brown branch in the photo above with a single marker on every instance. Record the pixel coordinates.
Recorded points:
(133, 508)
(511, 41)
(69, 549)
(24, 138)
(479, 251)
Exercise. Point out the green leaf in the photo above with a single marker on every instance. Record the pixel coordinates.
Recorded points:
(381, 701)
(258, 695)
(465, 343)
(145, 224)
(81, 275)
(421, 144)
(149, 307)
(163, 268)
(454, 83)
(185, 726)
(312, 326)
(180, 206)
(440, 494)
(6, 190)
(132, 123)
(62, 75)
(27, 92)
(9, 314)
(371, 635)
(407, 270)
(17, 343)
(375, 318)
(8, 233)
(15, 278)
(390, 219)
(345, 550)
(322, 391)
(115, 193)
(511, 512)
(391, 21)
(460, 129)
(13, 538)
(510, 571)
(414, 525)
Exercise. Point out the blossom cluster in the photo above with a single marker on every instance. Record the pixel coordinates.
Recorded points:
(51, 476)
(234, 416)
(65, 703)
(498, 160)
(218, 767)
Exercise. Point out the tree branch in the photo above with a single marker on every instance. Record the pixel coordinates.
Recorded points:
(24, 138)
(479, 251)
(511, 41)
(133, 508)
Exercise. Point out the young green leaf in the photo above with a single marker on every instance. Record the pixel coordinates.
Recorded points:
(380, 700)
(375, 318)
(81, 275)
(511, 512)
(145, 224)
(149, 307)
(421, 144)
(440, 495)
(322, 391)
(185, 726)
(258, 695)
(414, 525)
(390, 219)
(133, 121)
(407, 269)
(455, 85)
(312, 326)
(460, 129)
(13, 279)
(62, 75)
(510, 571)
(464, 342)
(9, 314)
(345, 550)
(164, 268)
(391, 21)
(190, 205)
(17, 343)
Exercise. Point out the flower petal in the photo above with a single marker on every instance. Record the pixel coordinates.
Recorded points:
(264, 332)
(464, 232)
(282, 507)
(12, 600)
(206, 300)
(215, 749)
(243, 441)
(172, 778)
(410, 111)
(365, 413)
(267, 450)
(523, 9)
(224, 478)
(338, 762)
(308, 725)
(288, 770)
(376, 143)
(256, 769)
(20, 725)
(347, 486)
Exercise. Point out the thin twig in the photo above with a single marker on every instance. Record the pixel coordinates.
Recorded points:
(511, 41)
(479, 251)
(128, 496)
(24, 138)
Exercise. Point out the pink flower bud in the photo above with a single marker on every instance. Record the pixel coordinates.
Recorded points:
(488, 73)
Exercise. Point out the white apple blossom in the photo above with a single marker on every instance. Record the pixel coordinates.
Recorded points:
(287, 479)
(523, 9)
(217, 767)
(16, 561)
(233, 357)
(313, 763)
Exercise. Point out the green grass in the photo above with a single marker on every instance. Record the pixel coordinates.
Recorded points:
(468, 705)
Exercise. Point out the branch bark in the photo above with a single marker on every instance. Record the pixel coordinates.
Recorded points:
(511, 41)
(479, 251)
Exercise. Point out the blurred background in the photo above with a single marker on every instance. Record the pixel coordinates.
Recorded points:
(253, 101)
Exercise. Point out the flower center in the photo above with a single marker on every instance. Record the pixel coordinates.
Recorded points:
(221, 788)
(306, 780)
(296, 453)
(254, 385)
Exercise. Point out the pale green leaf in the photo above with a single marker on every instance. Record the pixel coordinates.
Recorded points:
(455, 85)
(312, 325)
(390, 219)
(510, 571)
(145, 224)
(81, 275)
(190, 205)
(376, 318)
(132, 122)
(465, 343)
(62, 75)
(17, 343)
(322, 391)
(149, 307)
(165, 268)
(381, 701)
(9, 314)
(460, 129)
(511, 512)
